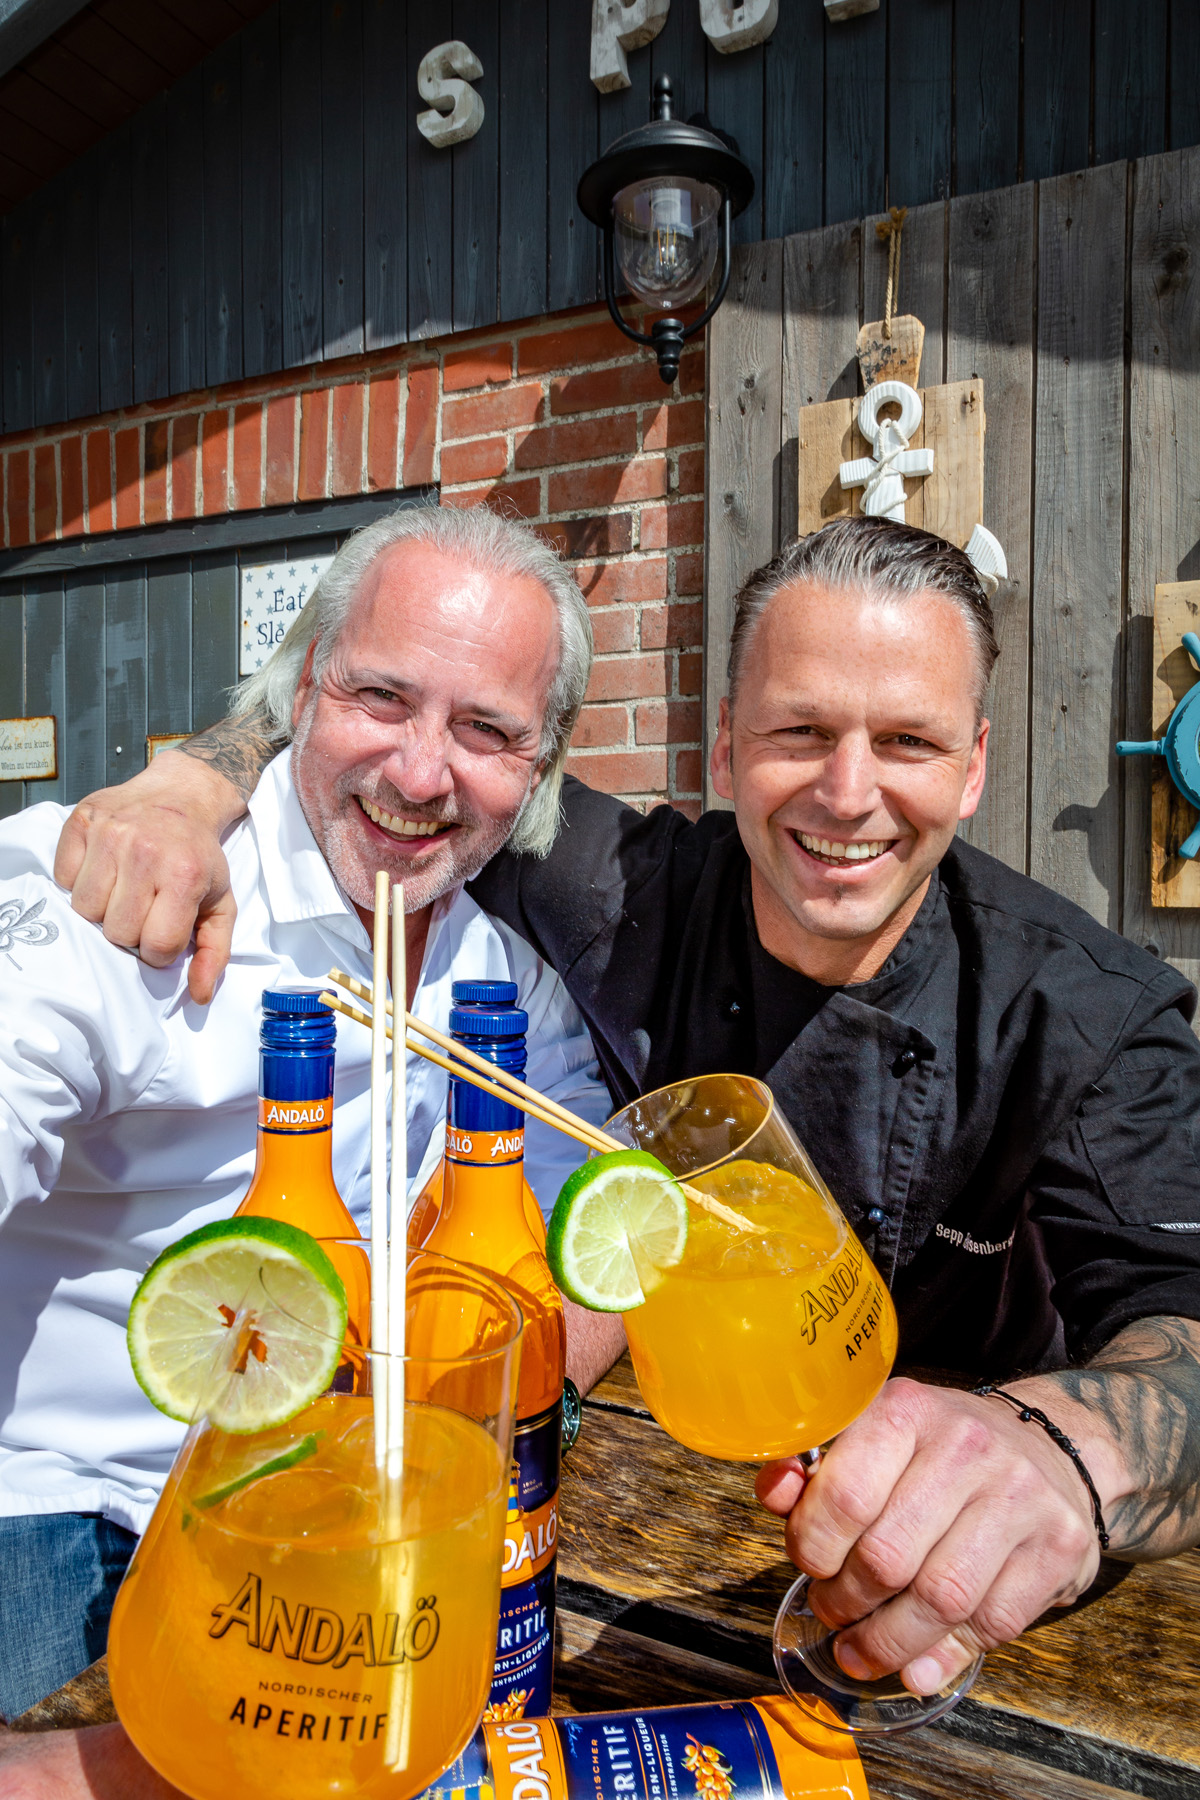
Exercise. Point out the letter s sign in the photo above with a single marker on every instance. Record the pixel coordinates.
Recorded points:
(458, 110)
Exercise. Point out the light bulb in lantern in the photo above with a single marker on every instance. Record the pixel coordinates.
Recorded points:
(665, 236)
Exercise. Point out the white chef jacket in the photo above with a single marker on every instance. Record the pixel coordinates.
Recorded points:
(128, 1118)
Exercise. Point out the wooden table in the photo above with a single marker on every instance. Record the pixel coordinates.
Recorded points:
(669, 1578)
(670, 1574)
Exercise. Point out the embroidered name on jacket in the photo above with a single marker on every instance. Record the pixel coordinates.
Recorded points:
(962, 1240)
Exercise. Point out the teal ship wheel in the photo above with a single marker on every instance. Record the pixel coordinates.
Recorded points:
(1180, 744)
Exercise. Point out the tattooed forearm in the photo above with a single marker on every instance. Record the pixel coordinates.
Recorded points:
(1145, 1388)
(238, 749)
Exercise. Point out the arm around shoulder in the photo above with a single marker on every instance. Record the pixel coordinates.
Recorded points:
(144, 860)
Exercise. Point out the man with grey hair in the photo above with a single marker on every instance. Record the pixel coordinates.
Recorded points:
(999, 1092)
(429, 690)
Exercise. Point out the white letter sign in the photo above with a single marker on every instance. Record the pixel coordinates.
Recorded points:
(272, 599)
(730, 25)
(618, 26)
(458, 110)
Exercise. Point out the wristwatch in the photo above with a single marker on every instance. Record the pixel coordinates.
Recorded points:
(572, 1413)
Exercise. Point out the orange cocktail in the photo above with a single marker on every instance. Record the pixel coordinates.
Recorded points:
(296, 1622)
(764, 1341)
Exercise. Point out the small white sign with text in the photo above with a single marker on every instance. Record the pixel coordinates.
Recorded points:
(28, 749)
(272, 595)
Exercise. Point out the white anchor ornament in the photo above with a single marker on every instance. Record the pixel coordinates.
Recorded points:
(881, 476)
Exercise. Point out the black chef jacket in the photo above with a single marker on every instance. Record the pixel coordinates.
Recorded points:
(1004, 1111)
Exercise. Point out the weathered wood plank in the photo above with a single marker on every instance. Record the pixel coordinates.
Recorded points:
(1076, 594)
(822, 283)
(794, 122)
(214, 636)
(124, 673)
(223, 215)
(342, 176)
(735, 100)
(148, 216)
(572, 255)
(619, 1388)
(476, 169)
(745, 395)
(385, 181)
(16, 305)
(114, 288)
(987, 81)
(301, 158)
(989, 333)
(85, 733)
(598, 1667)
(1057, 70)
(81, 330)
(49, 392)
(1164, 480)
(524, 153)
(12, 680)
(920, 64)
(1183, 76)
(262, 221)
(185, 233)
(168, 648)
(45, 671)
(1130, 108)
(855, 112)
(430, 192)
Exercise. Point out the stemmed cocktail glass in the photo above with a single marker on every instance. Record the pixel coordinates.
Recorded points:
(299, 1620)
(763, 1343)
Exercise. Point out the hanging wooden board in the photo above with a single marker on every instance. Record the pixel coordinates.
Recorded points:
(1173, 882)
(949, 501)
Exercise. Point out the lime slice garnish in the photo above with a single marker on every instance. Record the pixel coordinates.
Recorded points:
(287, 1459)
(242, 1320)
(618, 1220)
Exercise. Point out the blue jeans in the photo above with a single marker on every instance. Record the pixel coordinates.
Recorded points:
(59, 1575)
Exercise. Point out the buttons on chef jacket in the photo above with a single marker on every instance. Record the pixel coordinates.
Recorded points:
(876, 1216)
(904, 1062)
(731, 1008)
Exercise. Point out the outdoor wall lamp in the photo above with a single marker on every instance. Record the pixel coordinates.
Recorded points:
(665, 197)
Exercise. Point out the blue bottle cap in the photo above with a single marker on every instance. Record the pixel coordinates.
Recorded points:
(483, 993)
(295, 1002)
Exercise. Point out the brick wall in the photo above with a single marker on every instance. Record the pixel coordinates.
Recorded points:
(560, 420)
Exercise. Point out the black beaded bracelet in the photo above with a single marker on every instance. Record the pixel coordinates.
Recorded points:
(1032, 1413)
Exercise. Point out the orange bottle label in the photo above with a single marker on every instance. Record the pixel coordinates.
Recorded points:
(484, 1149)
(294, 1116)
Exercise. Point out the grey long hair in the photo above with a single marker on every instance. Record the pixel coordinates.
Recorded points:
(489, 543)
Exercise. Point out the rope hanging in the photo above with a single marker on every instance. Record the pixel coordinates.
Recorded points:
(888, 232)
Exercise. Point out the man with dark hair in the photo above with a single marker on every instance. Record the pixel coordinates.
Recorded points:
(998, 1091)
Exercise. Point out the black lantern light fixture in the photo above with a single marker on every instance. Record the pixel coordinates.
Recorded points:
(665, 197)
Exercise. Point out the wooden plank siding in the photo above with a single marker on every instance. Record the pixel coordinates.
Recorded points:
(277, 206)
(1076, 301)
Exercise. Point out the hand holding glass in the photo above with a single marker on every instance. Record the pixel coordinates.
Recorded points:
(763, 1343)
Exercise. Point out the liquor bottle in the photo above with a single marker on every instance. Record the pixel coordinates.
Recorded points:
(482, 1220)
(767, 1749)
(293, 1173)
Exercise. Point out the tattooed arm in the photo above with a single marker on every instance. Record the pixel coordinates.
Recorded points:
(237, 749)
(940, 1524)
(1135, 1410)
(144, 860)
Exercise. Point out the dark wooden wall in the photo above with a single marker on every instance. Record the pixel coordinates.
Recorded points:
(1076, 301)
(278, 206)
